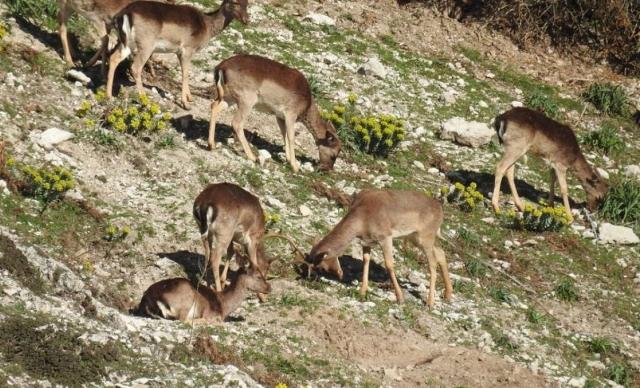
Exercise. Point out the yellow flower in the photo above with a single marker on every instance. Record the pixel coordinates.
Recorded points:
(388, 143)
(166, 116)
(155, 109)
(339, 109)
(459, 186)
(444, 190)
(10, 162)
(132, 111)
(352, 98)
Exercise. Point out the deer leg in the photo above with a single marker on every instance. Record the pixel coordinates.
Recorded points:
(291, 132)
(244, 108)
(206, 242)
(366, 257)
(561, 174)
(185, 63)
(509, 158)
(103, 32)
(387, 249)
(114, 61)
(552, 187)
(511, 172)
(444, 269)
(216, 107)
(63, 16)
(223, 239)
(141, 57)
(283, 131)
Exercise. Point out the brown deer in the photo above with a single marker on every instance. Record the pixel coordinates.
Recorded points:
(147, 26)
(228, 213)
(378, 217)
(253, 81)
(521, 130)
(178, 299)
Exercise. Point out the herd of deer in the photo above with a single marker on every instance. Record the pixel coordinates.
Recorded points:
(227, 213)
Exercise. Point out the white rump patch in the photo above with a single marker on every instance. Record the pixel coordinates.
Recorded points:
(192, 311)
(502, 129)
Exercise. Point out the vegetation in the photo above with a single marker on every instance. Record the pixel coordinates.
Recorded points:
(608, 98)
(47, 183)
(540, 101)
(566, 290)
(467, 198)
(538, 219)
(622, 203)
(605, 139)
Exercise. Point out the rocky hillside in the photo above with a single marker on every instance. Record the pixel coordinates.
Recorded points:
(536, 303)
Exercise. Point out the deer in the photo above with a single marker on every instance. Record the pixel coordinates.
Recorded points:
(250, 81)
(522, 130)
(146, 26)
(177, 298)
(228, 213)
(379, 217)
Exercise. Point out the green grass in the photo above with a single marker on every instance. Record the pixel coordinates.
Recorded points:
(566, 290)
(539, 100)
(622, 203)
(608, 98)
(606, 139)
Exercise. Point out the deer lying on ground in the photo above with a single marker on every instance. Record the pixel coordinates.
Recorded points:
(228, 213)
(178, 299)
(377, 217)
(253, 81)
(521, 130)
(147, 26)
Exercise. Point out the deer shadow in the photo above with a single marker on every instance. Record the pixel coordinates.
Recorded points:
(194, 129)
(485, 182)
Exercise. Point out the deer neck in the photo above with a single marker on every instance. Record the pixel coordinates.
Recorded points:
(584, 172)
(314, 122)
(231, 298)
(216, 21)
(339, 238)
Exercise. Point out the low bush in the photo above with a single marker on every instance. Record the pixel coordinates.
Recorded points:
(622, 202)
(605, 139)
(608, 98)
(47, 183)
(538, 219)
(377, 135)
(566, 290)
(43, 13)
(114, 233)
(467, 198)
(540, 101)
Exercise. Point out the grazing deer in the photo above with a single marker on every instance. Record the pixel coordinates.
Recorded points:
(228, 213)
(99, 12)
(250, 80)
(147, 26)
(379, 216)
(178, 299)
(521, 130)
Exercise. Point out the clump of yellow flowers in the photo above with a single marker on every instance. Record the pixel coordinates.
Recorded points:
(466, 197)
(114, 233)
(46, 183)
(539, 218)
(134, 116)
(374, 134)
(271, 219)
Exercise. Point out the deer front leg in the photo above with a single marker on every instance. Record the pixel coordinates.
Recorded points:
(244, 107)
(387, 249)
(511, 172)
(366, 257)
(444, 269)
(118, 56)
(552, 187)
(561, 174)
(63, 16)
(510, 156)
(291, 131)
(185, 63)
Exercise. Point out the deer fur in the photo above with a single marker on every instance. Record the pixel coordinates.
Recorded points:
(252, 81)
(378, 217)
(147, 26)
(178, 299)
(228, 213)
(522, 130)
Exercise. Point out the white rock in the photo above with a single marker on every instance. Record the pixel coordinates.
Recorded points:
(490, 75)
(516, 104)
(317, 18)
(10, 79)
(305, 211)
(616, 234)
(449, 96)
(3, 187)
(330, 58)
(419, 131)
(488, 220)
(79, 76)
(74, 194)
(53, 136)
(433, 170)
(603, 173)
(274, 202)
(483, 104)
(632, 170)
(306, 167)
(419, 165)
(596, 365)
(577, 382)
(263, 156)
(470, 133)
(373, 67)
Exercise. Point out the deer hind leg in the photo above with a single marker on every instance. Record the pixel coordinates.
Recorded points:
(366, 258)
(185, 64)
(511, 178)
(561, 174)
(244, 107)
(118, 56)
(387, 249)
(426, 242)
(291, 133)
(223, 239)
(511, 155)
(552, 186)
(216, 107)
(141, 57)
(283, 131)
(444, 269)
(63, 16)
(103, 31)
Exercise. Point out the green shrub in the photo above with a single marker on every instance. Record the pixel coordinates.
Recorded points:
(601, 345)
(499, 294)
(375, 135)
(566, 290)
(619, 373)
(605, 139)
(534, 316)
(465, 197)
(134, 116)
(113, 233)
(622, 202)
(41, 12)
(540, 101)
(538, 219)
(47, 183)
(608, 98)
(475, 267)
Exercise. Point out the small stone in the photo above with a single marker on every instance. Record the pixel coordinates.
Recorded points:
(419, 165)
(330, 58)
(320, 19)
(616, 234)
(603, 173)
(449, 96)
(3, 187)
(508, 244)
(53, 136)
(469, 133)
(306, 167)
(79, 76)
(490, 75)
(577, 382)
(596, 365)
(373, 67)
(263, 156)
(516, 104)
(419, 131)
(10, 80)
(483, 104)
(489, 220)
(305, 211)
(632, 170)
(433, 170)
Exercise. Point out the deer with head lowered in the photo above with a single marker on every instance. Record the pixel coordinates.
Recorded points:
(178, 299)
(252, 81)
(227, 213)
(522, 130)
(378, 217)
(147, 26)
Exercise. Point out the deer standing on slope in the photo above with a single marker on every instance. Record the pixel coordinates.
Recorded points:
(521, 130)
(178, 299)
(228, 213)
(147, 26)
(377, 217)
(253, 81)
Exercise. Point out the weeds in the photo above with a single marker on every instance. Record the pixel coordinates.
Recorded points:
(566, 290)
(619, 373)
(114, 233)
(605, 139)
(608, 98)
(475, 267)
(622, 202)
(167, 141)
(538, 219)
(466, 198)
(540, 101)
(534, 316)
(499, 294)
(601, 345)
